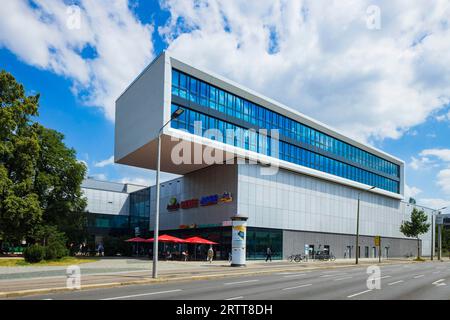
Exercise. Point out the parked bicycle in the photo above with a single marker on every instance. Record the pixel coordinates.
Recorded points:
(324, 256)
(297, 257)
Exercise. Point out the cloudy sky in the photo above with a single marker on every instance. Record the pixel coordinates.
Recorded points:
(376, 70)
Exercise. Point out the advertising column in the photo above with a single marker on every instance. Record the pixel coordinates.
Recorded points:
(238, 241)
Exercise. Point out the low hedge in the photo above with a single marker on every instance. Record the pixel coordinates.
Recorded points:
(34, 254)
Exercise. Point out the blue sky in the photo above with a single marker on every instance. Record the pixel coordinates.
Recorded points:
(381, 78)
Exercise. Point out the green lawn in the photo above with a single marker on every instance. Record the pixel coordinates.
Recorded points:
(67, 261)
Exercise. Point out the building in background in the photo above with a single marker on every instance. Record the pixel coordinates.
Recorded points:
(298, 186)
(114, 209)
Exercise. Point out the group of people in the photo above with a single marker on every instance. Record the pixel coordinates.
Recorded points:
(83, 249)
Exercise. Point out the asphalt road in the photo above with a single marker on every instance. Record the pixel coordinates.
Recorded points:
(429, 280)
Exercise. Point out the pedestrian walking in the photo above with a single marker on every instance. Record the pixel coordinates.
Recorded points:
(210, 254)
(268, 254)
(101, 250)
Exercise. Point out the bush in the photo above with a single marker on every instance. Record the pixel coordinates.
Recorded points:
(55, 250)
(34, 253)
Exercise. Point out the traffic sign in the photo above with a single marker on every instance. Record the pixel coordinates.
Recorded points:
(377, 241)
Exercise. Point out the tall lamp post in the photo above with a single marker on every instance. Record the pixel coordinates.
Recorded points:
(357, 225)
(174, 115)
(439, 235)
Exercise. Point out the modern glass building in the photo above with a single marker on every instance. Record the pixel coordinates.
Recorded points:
(307, 202)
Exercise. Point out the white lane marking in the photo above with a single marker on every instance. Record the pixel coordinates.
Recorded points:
(436, 272)
(392, 283)
(297, 287)
(357, 294)
(239, 282)
(344, 278)
(327, 275)
(141, 295)
(419, 276)
(235, 298)
(294, 275)
(48, 299)
(383, 277)
(439, 282)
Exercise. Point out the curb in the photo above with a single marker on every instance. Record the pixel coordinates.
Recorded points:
(22, 293)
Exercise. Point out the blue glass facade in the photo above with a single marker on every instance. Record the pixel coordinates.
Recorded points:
(299, 143)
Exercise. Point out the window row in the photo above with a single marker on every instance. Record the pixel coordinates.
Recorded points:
(201, 124)
(190, 88)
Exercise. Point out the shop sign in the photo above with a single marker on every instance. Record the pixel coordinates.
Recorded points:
(209, 200)
(189, 204)
(173, 205)
(226, 197)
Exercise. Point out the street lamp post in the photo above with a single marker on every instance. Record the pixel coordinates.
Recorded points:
(440, 236)
(174, 115)
(357, 225)
(432, 237)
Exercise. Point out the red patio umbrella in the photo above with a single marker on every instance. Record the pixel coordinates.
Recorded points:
(136, 240)
(167, 238)
(198, 240)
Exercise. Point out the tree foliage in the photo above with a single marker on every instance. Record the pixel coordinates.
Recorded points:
(417, 226)
(40, 177)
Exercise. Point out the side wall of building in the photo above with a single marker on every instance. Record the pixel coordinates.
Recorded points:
(292, 201)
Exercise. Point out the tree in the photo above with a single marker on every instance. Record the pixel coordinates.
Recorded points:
(417, 226)
(40, 178)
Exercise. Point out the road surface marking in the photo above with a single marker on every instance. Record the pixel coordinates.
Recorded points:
(301, 286)
(142, 295)
(239, 282)
(357, 294)
(419, 276)
(295, 275)
(439, 282)
(48, 299)
(344, 278)
(392, 283)
(436, 272)
(327, 275)
(235, 298)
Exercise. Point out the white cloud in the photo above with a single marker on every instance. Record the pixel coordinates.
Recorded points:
(104, 163)
(411, 192)
(136, 180)
(442, 154)
(372, 84)
(122, 45)
(434, 203)
(443, 180)
(99, 176)
(421, 163)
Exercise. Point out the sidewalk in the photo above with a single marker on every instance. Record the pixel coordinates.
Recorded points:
(16, 281)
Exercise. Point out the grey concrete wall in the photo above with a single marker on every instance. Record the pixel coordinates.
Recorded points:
(293, 201)
(212, 180)
(295, 241)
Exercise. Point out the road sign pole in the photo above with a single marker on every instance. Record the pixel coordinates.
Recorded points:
(379, 250)
(440, 242)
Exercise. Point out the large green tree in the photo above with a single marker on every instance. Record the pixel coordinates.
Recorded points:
(417, 226)
(40, 177)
